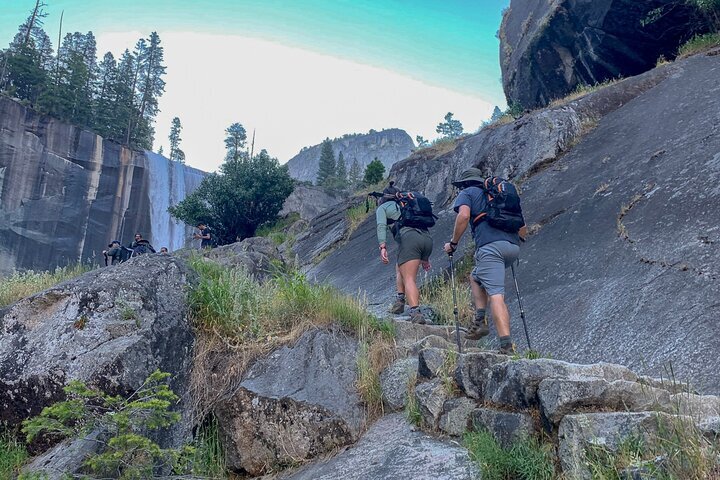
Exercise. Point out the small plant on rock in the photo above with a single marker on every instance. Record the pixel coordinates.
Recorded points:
(128, 453)
(526, 459)
(12, 455)
(412, 408)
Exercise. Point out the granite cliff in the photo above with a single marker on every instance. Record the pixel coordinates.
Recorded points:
(66, 192)
(389, 146)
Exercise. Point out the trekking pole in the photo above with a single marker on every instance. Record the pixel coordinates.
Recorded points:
(455, 305)
(522, 312)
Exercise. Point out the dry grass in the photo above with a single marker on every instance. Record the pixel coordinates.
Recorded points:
(438, 148)
(621, 229)
(582, 90)
(438, 293)
(699, 44)
(24, 284)
(356, 215)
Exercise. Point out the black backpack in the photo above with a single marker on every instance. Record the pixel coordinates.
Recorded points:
(142, 248)
(503, 206)
(125, 253)
(415, 211)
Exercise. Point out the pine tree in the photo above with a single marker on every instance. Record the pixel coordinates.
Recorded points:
(327, 167)
(150, 86)
(122, 108)
(450, 128)
(161, 151)
(235, 137)
(355, 174)
(104, 95)
(175, 140)
(496, 115)
(421, 142)
(374, 172)
(341, 172)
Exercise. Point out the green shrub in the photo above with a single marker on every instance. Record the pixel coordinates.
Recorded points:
(128, 453)
(208, 459)
(275, 231)
(12, 455)
(23, 284)
(527, 459)
(699, 43)
(412, 407)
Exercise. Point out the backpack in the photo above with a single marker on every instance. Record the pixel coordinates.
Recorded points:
(415, 211)
(142, 248)
(125, 254)
(503, 206)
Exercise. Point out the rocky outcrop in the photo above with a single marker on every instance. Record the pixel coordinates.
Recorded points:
(388, 146)
(548, 49)
(65, 193)
(258, 256)
(110, 328)
(309, 202)
(393, 449)
(295, 404)
(621, 261)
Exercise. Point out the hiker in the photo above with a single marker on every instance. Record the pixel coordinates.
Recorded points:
(140, 246)
(414, 248)
(164, 250)
(495, 250)
(113, 253)
(205, 236)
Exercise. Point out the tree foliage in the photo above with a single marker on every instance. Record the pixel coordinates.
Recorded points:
(374, 172)
(118, 100)
(246, 193)
(355, 175)
(421, 142)
(235, 138)
(175, 153)
(327, 166)
(450, 128)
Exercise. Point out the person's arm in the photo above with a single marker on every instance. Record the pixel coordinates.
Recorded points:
(381, 219)
(462, 207)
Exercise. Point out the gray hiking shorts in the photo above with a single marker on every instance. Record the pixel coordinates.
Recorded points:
(413, 244)
(491, 260)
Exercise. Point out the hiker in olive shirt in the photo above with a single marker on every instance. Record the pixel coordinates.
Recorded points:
(414, 249)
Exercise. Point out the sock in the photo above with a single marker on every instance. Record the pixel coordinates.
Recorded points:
(401, 296)
(480, 316)
(505, 342)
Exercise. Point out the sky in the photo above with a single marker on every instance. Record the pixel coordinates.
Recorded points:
(297, 71)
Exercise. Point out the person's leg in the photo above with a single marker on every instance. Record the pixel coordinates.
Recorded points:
(501, 315)
(398, 308)
(408, 272)
(478, 294)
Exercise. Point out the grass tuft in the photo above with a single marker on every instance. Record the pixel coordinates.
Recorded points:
(438, 293)
(699, 44)
(20, 285)
(276, 231)
(209, 455)
(12, 455)
(527, 459)
(412, 407)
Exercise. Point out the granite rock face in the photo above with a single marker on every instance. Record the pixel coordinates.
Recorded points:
(389, 146)
(110, 328)
(309, 202)
(548, 49)
(65, 193)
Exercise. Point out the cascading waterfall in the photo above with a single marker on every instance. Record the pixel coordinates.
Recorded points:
(169, 182)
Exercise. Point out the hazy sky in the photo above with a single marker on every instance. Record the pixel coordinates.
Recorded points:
(298, 71)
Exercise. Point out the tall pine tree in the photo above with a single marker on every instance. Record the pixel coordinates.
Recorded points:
(341, 172)
(235, 137)
(327, 167)
(355, 174)
(104, 95)
(175, 153)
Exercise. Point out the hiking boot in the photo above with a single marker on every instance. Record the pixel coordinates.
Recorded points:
(398, 308)
(416, 316)
(507, 350)
(477, 331)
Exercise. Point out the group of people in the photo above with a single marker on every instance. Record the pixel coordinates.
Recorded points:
(495, 250)
(117, 253)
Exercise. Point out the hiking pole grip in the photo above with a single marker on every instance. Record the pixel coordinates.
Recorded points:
(522, 311)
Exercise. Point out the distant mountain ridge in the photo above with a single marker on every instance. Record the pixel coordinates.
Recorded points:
(389, 146)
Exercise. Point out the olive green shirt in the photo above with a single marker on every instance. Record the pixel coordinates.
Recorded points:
(386, 211)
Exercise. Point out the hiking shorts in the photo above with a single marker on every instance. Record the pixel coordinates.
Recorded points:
(414, 244)
(491, 260)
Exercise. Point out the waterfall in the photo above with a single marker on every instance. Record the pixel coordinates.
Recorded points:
(169, 182)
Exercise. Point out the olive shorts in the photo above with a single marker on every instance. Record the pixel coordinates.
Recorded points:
(414, 244)
(491, 260)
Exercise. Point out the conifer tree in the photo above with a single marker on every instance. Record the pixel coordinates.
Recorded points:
(104, 95)
(374, 172)
(341, 172)
(450, 128)
(175, 140)
(355, 174)
(327, 167)
(235, 137)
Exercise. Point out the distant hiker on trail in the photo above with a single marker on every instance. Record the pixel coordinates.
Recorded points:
(164, 250)
(204, 235)
(497, 246)
(140, 246)
(414, 245)
(113, 253)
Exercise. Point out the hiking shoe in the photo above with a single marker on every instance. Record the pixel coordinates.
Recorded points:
(416, 316)
(509, 350)
(476, 332)
(398, 308)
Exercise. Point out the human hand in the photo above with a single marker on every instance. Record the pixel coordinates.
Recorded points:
(426, 265)
(384, 256)
(196, 235)
(449, 248)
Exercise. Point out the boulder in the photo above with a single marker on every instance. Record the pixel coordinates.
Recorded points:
(506, 427)
(392, 449)
(110, 328)
(455, 418)
(578, 433)
(255, 255)
(431, 397)
(549, 49)
(298, 402)
(470, 371)
(65, 458)
(515, 383)
(309, 201)
(431, 361)
(394, 382)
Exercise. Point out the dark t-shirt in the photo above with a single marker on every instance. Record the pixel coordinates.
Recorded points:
(483, 233)
(206, 242)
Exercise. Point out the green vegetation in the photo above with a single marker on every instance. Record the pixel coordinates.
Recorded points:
(327, 166)
(248, 192)
(450, 128)
(412, 407)
(375, 352)
(698, 44)
(229, 302)
(438, 293)
(374, 172)
(208, 458)
(21, 285)
(582, 90)
(129, 454)
(275, 231)
(176, 154)
(527, 459)
(117, 99)
(12, 455)
(356, 215)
